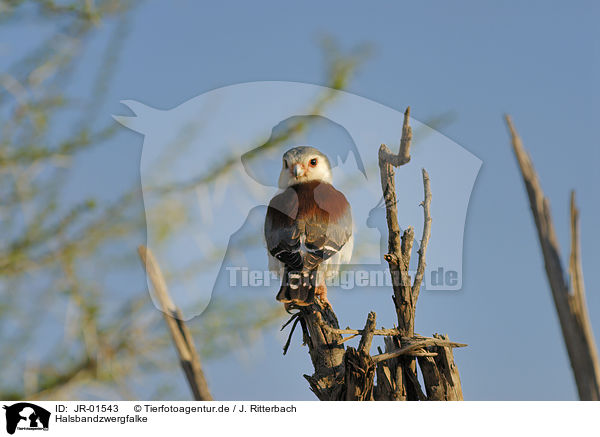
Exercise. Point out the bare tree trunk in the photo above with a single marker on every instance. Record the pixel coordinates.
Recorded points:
(349, 373)
(569, 295)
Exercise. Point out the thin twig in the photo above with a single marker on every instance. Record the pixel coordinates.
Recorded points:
(388, 332)
(425, 238)
(348, 338)
(414, 346)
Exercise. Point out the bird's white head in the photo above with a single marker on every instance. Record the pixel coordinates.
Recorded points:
(304, 164)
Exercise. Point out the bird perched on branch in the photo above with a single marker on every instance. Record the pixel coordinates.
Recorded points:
(308, 227)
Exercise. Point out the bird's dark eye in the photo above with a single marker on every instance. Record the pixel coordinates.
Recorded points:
(313, 162)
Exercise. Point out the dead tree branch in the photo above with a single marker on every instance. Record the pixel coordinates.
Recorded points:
(182, 339)
(355, 332)
(440, 374)
(326, 351)
(569, 295)
(360, 367)
(349, 374)
(419, 344)
(397, 366)
(425, 238)
(400, 247)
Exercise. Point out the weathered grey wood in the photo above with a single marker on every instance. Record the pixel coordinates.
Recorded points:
(448, 370)
(416, 344)
(182, 338)
(440, 373)
(401, 280)
(398, 256)
(367, 333)
(403, 369)
(326, 352)
(359, 375)
(349, 374)
(408, 238)
(568, 295)
(385, 388)
(390, 377)
(426, 204)
(434, 386)
(359, 366)
(382, 331)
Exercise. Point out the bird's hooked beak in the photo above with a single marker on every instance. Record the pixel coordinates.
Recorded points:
(297, 170)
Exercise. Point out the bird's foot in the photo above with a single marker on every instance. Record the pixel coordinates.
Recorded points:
(321, 293)
(294, 305)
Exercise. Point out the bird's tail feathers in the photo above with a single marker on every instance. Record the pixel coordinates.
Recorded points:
(298, 287)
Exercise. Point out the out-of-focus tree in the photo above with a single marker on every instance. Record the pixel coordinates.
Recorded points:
(67, 333)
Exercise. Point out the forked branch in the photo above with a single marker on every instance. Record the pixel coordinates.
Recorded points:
(349, 373)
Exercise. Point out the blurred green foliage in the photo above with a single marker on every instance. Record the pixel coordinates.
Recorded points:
(66, 333)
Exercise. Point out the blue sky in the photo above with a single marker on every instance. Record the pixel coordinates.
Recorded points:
(536, 60)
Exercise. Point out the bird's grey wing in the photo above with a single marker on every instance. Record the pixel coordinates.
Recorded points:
(328, 230)
(282, 233)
